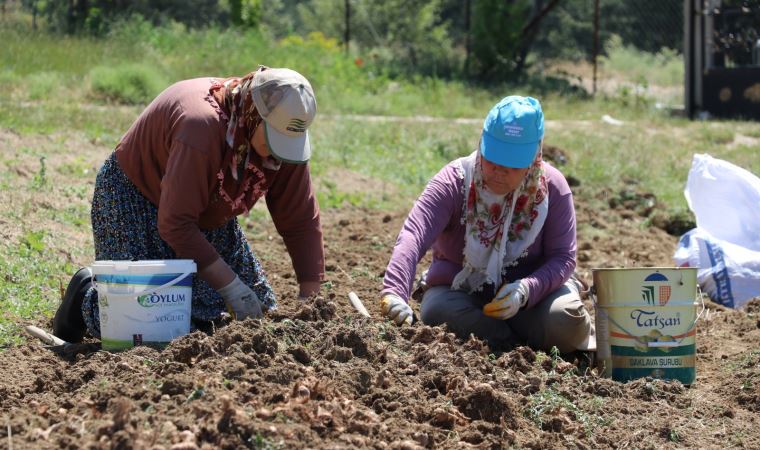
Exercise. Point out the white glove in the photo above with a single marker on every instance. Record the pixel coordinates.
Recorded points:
(241, 301)
(507, 301)
(396, 309)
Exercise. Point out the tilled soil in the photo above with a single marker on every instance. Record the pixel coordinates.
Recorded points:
(319, 375)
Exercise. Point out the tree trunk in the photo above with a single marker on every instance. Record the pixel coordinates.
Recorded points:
(530, 31)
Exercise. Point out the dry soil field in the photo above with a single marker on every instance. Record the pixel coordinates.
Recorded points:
(318, 375)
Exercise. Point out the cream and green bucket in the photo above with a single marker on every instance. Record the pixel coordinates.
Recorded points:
(143, 302)
(646, 323)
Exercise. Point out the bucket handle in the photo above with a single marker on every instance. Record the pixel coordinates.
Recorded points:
(592, 294)
(149, 290)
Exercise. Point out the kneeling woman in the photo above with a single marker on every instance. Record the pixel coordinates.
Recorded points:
(501, 223)
(202, 153)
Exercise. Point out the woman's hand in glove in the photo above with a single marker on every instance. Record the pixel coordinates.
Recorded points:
(241, 301)
(507, 301)
(396, 309)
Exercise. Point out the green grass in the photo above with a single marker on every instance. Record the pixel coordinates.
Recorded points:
(29, 289)
(664, 68)
(131, 84)
(380, 149)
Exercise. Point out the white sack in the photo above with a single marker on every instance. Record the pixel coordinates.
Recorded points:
(725, 200)
(725, 246)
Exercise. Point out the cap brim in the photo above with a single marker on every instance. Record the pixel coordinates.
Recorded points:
(518, 156)
(288, 148)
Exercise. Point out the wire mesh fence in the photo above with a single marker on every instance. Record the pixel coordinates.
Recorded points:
(637, 45)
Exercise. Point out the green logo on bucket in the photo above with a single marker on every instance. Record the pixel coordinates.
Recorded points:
(647, 293)
(663, 290)
(151, 300)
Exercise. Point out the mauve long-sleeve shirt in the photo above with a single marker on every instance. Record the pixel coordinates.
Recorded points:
(173, 154)
(436, 220)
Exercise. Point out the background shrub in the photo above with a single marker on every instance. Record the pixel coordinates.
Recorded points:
(129, 84)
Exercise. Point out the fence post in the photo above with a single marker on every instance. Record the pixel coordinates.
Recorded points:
(596, 41)
(688, 56)
(466, 37)
(347, 35)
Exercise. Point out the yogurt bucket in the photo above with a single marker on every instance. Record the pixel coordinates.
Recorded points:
(143, 302)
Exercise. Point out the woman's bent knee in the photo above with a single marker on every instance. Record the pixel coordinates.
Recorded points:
(569, 327)
(436, 306)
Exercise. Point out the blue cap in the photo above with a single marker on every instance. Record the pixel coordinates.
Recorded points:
(512, 132)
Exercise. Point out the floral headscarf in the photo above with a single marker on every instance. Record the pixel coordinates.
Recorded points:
(248, 181)
(486, 252)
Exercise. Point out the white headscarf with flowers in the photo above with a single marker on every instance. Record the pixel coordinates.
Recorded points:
(485, 215)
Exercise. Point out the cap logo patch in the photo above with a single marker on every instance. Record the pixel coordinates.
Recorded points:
(513, 129)
(296, 126)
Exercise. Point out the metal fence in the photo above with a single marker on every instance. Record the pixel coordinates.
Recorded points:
(723, 58)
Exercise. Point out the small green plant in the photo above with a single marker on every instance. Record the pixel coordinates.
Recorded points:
(553, 356)
(154, 383)
(377, 244)
(673, 436)
(746, 361)
(259, 442)
(737, 438)
(77, 168)
(364, 272)
(32, 242)
(148, 362)
(40, 178)
(76, 215)
(382, 332)
(548, 402)
(196, 394)
(331, 197)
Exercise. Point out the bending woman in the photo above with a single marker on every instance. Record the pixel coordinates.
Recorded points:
(202, 153)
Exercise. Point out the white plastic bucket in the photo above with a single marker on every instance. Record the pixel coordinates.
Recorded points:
(143, 302)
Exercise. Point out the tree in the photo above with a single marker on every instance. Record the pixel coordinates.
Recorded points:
(96, 16)
(245, 12)
(404, 36)
(497, 29)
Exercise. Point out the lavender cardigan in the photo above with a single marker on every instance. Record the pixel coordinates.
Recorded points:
(436, 221)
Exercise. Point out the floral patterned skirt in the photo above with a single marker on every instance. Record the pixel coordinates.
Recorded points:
(125, 227)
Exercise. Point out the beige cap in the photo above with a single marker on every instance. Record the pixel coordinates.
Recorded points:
(286, 102)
